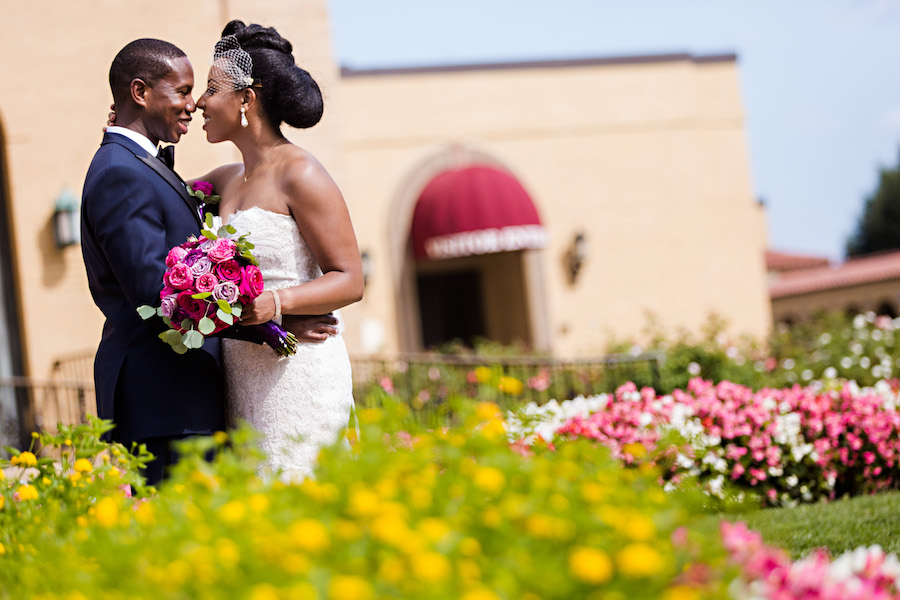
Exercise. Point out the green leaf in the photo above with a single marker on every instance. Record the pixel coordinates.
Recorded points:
(180, 348)
(208, 234)
(225, 317)
(199, 195)
(237, 310)
(187, 324)
(201, 295)
(222, 231)
(193, 339)
(224, 306)
(171, 337)
(146, 312)
(209, 220)
(230, 229)
(167, 321)
(206, 326)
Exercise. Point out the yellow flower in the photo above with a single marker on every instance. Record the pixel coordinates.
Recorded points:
(220, 437)
(46, 481)
(639, 560)
(511, 385)
(2, 476)
(81, 521)
(349, 587)
(144, 514)
(635, 449)
(638, 527)
(491, 517)
(489, 479)
(301, 591)
(259, 503)
(363, 502)
(681, 592)
(83, 465)
(390, 529)
(480, 594)
(469, 547)
(483, 374)
(2, 502)
(392, 570)
(233, 511)
(434, 529)
(590, 565)
(468, 569)
(294, 563)
(26, 459)
(487, 411)
(309, 535)
(430, 566)
(68, 442)
(264, 591)
(107, 512)
(2, 550)
(228, 553)
(368, 416)
(347, 530)
(592, 492)
(549, 527)
(26, 492)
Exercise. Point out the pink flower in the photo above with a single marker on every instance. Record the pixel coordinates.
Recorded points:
(227, 291)
(221, 249)
(175, 255)
(202, 186)
(201, 266)
(251, 284)
(193, 308)
(228, 270)
(206, 283)
(179, 276)
(168, 305)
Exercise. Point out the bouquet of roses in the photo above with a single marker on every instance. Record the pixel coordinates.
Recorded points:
(207, 284)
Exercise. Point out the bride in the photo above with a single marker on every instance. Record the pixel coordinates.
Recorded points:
(304, 241)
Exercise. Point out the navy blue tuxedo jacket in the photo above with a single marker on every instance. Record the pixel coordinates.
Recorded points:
(134, 209)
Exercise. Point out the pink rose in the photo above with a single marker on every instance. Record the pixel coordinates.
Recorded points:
(202, 186)
(251, 284)
(221, 249)
(167, 290)
(201, 266)
(179, 276)
(206, 282)
(193, 308)
(228, 271)
(227, 291)
(175, 255)
(168, 305)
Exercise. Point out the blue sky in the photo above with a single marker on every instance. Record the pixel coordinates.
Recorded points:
(820, 79)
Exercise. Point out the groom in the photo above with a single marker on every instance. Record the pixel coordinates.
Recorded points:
(134, 209)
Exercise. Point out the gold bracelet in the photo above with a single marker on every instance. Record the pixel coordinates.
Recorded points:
(277, 305)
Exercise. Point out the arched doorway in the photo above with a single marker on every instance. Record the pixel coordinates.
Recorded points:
(474, 234)
(14, 423)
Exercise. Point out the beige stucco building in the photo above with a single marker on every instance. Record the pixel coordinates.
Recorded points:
(643, 160)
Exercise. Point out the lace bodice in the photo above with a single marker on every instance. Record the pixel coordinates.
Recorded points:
(284, 256)
(301, 402)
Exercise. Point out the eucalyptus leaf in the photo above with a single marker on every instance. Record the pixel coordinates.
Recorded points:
(193, 339)
(171, 337)
(180, 348)
(201, 295)
(224, 306)
(146, 312)
(222, 231)
(230, 229)
(208, 234)
(237, 310)
(225, 317)
(206, 326)
(209, 220)
(199, 195)
(187, 324)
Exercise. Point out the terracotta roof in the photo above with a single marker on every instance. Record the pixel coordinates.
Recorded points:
(540, 64)
(782, 261)
(857, 271)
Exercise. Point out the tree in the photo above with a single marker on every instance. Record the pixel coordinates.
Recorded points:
(878, 227)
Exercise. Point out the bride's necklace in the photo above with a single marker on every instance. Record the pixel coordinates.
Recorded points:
(263, 159)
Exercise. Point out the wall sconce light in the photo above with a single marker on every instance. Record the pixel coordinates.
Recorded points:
(366, 260)
(66, 220)
(576, 256)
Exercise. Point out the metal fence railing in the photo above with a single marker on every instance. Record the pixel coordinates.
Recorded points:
(28, 404)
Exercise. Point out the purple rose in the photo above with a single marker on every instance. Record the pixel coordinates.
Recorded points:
(192, 257)
(227, 291)
(206, 282)
(195, 309)
(228, 270)
(222, 249)
(169, 303)
(179, 276)
(175, 255)
(203, 265)
(202, 186)
(206, 244)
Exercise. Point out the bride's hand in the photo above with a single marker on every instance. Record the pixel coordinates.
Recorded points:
(111, 117)
(261, 310)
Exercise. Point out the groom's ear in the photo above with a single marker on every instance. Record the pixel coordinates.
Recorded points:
(139, 89)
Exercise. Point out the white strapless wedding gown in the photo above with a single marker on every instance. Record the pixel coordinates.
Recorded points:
(298, 403)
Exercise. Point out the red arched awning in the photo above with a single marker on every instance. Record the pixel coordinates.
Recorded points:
(474, 210)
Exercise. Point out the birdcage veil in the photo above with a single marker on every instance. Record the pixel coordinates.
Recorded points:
(232, 63)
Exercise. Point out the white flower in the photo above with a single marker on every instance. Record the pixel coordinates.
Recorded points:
(859, 322)
(846, 362)
(830, 373)
(824, 338)
(792, 480)
(788, 363)
(248, 81)
(693, 369)
(807, 374)
(865, 362)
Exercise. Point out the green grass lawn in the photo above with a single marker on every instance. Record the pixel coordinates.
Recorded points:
(839, 526)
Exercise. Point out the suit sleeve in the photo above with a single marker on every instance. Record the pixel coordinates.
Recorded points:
(129, 227)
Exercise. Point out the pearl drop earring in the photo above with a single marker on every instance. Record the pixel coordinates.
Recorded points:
(244, 121)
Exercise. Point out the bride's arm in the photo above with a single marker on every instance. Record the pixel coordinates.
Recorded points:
(220, 176)
(324, 221)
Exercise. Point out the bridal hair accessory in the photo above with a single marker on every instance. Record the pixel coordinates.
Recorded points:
(244, 121)
(234, 64)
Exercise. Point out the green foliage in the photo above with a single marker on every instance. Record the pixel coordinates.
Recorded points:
(404, 512)
(878, 228)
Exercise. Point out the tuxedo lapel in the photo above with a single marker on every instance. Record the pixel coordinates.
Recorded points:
(162, 170)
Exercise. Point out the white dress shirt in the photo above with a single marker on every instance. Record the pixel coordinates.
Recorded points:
(135, 137)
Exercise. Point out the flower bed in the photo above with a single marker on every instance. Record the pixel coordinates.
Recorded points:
(789, 445)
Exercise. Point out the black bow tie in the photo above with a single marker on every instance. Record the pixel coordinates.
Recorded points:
(167, 155)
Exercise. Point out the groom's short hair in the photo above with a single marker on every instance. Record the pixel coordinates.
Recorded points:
(146, 59)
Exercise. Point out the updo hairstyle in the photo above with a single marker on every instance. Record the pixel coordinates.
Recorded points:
(288, 93)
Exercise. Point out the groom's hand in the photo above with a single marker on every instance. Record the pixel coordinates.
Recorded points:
(311, 328)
